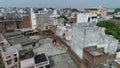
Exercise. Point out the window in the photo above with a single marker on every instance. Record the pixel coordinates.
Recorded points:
(16, 59)
(47, 66)
(46, 27)
(8, 57)
(9, 62)
(15, 54)
(33, 45)
(89, 19)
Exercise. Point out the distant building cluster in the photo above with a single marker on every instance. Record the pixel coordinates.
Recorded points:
(27, 36)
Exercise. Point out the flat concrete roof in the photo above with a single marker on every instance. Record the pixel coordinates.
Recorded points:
(12, 33)
(22, 40)
(57, 54)
(94, 51)
(62, 61)
(27, 63)
(48, 48)
(25, 54)
(117, 60)
(25, 29)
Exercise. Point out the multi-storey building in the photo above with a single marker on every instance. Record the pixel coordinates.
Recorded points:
(41, 20)
(101, 11)
(10, 54)
(87, 35)
(93, 56)
(93, 18)
(10, 25)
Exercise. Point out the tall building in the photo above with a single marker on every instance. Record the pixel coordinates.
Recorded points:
(88, 34)
(10, 54)
(26, 20)
(41, 20)
(101, 11)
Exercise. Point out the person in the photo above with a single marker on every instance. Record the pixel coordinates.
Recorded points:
(54, 41)
(63, 35)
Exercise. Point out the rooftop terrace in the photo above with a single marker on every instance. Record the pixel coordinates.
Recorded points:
(22, 40)
(117, 60)
(57, 54)
(17, 37)
(94, 51)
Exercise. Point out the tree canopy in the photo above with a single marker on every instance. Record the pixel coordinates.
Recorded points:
(111, 28)
(74, 10)
(117, 10)
(63, 17)
(1, 62)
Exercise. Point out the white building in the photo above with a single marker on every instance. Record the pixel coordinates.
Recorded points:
(35, 62)
(33, 19)
(64, 32)
(88, 34)
(54, 17)
(41, 19)
(87, 18)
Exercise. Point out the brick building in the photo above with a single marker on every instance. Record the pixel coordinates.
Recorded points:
(12, 21)
(27, 21)
(10, 25)
(117, 62)
(93, 46)
(93, 56)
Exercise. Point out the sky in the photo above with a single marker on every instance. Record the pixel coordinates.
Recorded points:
(60, 3)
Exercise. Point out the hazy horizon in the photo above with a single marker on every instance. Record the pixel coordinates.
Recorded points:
(80, 4)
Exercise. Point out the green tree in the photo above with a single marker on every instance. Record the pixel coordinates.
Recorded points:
(74, 10)
(1, 62)
(111, 28)
(117, 10)
(64, 18)
(107, 24)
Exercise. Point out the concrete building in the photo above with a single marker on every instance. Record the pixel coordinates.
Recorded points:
(38, 61)
(55, 16)
(10, 25)
(11, 57)
(12, 44)
(19, 38)
(10, 54)
(73, 17)
(15, 19)
(27, 63)
(117, 62)
(41, 20)
(64, 31)
(87, 18)
(41, 61)
(101, 11)
(33, 19)
(94, 56)
(91, 10)
(88, 34)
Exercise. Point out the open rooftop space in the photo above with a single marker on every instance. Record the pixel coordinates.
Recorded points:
(57, 54)
(48, 48)
(62, 61)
